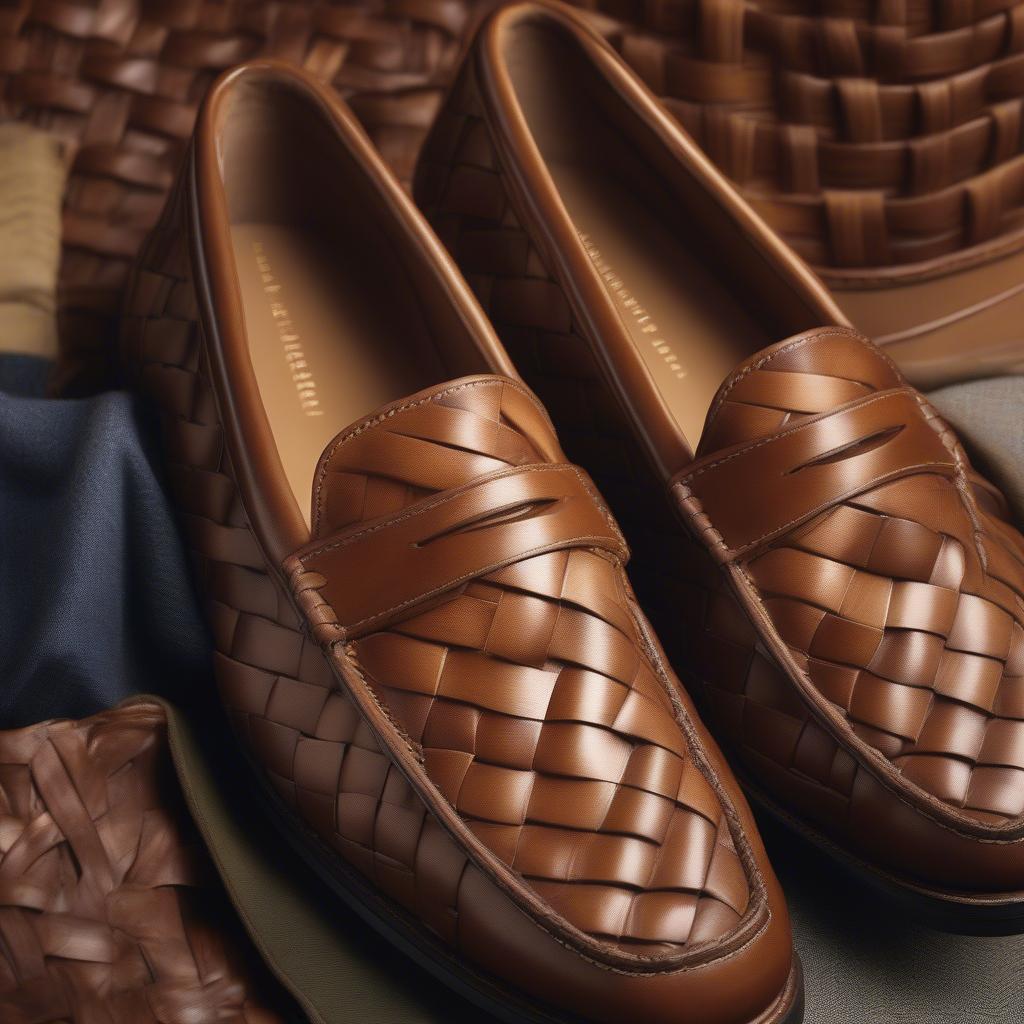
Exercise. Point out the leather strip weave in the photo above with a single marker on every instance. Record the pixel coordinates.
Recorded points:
(107, 911)
(873, 134)
(656, 868)
(422, 552)
(803, 471)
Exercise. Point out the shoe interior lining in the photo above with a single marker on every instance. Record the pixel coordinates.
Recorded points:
(656, 243)
(339, 318)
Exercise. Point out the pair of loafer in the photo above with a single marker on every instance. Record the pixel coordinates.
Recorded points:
(426, 638)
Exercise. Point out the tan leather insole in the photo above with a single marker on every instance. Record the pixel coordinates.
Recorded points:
(676, 308)
(329, 340)
(670, 292)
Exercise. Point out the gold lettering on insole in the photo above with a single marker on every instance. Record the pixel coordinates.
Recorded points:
(287, 333)
(632, 308)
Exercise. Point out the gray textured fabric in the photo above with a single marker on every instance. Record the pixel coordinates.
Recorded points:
(866, 963)
(989, 416)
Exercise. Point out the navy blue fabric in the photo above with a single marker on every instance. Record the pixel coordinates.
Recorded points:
(96, 601)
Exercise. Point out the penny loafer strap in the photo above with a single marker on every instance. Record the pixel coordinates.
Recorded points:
(375, 573)
(754, 493)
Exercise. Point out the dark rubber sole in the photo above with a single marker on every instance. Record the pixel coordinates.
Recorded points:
(955, 912)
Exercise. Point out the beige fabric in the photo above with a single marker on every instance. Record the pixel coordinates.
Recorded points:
(31, 185)
(989, 416)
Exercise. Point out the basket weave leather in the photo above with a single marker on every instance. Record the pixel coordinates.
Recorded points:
(872, 677)
(871, 136)
(450, 689)
(882, 141)
(120, 81)
(106, 908)
(866, 134)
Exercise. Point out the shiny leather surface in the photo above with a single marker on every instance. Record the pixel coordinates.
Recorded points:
(881, 141)
(874, 137)
(490, 738)
(106, 910)
(845, 590)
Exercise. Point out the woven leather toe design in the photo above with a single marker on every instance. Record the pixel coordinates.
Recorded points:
(539, 714)
(904, 603)
(529, 692)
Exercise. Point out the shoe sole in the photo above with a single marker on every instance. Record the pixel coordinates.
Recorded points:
(406, 935)
(959, 913)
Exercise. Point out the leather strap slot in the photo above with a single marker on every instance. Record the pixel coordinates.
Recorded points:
(768, 487)
(376, 573)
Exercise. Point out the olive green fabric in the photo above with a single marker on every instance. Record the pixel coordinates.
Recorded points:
(32, 176)
(339, 970)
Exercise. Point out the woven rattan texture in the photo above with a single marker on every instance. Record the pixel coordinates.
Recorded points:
(904, 609)
(529, 691)
(105, 908)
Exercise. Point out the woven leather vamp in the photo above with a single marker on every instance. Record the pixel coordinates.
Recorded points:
(107, 908)
(904, 602)
(518, 687)
(921, 579)
(528, 689)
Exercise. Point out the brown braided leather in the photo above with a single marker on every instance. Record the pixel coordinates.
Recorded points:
(538, 715)
(121, 82)
(865, 134)
(528, 693)
(106, 906)
(904, 602)
(921, 650)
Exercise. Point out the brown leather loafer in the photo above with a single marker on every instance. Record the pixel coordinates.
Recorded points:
(425, 636)
(847, 592)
